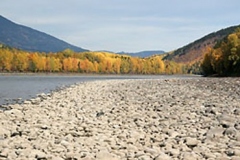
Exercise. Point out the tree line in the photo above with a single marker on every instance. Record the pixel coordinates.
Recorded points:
(14, 60)
(224, 58)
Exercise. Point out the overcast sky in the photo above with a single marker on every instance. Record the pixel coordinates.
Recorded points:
(124, 25)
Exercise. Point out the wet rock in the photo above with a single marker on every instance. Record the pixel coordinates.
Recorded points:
(43, 96)
(36, 101)
(27, 102)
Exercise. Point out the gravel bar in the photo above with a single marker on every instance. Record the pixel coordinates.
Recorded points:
(166, 119)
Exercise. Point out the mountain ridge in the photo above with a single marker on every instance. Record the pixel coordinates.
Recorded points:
(194, 51)
(143, 54)
(25, 38)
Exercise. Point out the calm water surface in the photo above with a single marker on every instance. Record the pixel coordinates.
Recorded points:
(22, 87)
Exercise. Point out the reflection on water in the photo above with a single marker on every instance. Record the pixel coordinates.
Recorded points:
(21, 87)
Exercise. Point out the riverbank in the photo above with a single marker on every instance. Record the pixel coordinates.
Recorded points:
(194, 118)
(15, 88)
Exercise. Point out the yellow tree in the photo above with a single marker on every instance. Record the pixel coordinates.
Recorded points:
(102, 67)
(158, 65)
(33, 62)
(86, 66)
(53, 64)
(125, 65)
(140, 65)
(67, 64)
(95, 67)
(20, 61)
(75, 64)
(6, 57)
(116, 65)
(41, 65)
(57, 65)
(146, 66)
(108, 62)
(133, 65)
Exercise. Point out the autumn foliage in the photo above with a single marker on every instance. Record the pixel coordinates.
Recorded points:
(13, 60)
(224, 58)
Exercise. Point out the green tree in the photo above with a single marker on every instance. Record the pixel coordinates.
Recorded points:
(224, 59)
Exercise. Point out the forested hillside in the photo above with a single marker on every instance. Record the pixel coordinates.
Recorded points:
(191, 55)
(194, 51)
(14, 60)
(28, 50)
(224, 58)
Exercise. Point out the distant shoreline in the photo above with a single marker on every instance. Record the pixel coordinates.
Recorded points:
(91, 74)
(19, 87)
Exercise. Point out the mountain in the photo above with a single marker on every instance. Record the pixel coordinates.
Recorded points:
(143, 54)
(194, 51)
(29, 39)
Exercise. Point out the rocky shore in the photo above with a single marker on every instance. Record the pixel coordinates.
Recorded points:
(188, 119)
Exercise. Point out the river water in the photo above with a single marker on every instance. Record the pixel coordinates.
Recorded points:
(17, 88)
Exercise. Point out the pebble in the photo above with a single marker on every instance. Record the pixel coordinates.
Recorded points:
(160, 119)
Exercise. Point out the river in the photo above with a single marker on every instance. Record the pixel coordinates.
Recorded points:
(17, 88)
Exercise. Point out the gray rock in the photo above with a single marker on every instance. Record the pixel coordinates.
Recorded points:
(27, 102)
(4, 153)
(190, 156)
(43, 96)
(105, 155)
(143, 119)
(215, 133)
(226, 120)
(235, 158)
(237, 152)
(237, 111)
(56, 158)
(237, 125)
(145, 157)
(231, 132)
(37, 154)
(230, 152)
(191, 142)
(16, 113)
(4, 133)
(150, 151)
(174, 152)
(36, 101)
(162, 156)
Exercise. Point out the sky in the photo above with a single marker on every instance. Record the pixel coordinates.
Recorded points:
(124, 25)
